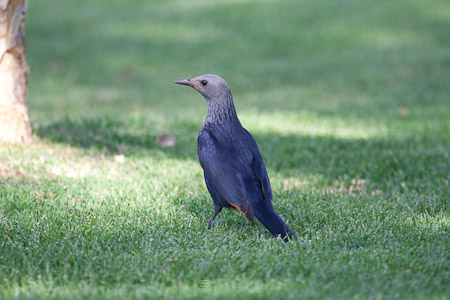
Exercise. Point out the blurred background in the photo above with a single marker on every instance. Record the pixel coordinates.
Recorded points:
(337, 59)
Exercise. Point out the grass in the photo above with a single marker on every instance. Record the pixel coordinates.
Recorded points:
(348, 101)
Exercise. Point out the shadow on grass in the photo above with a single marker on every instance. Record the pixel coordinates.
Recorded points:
(114, 135)
(413, 163)
(107, 134)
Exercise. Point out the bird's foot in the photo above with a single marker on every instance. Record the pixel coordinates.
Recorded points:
(210, 223)
(217, 210)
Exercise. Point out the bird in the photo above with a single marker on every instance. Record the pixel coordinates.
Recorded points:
(234, 170)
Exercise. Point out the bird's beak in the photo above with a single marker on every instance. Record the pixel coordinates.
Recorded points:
(185, 81)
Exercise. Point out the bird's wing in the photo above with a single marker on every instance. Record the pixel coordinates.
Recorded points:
(259, 168)
(261, 173)
(228, 181)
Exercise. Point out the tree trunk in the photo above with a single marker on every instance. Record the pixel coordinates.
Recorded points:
(14, 122)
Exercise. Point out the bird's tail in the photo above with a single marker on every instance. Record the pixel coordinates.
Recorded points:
(272, 221)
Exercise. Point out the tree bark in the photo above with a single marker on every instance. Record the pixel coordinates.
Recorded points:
(14, 121)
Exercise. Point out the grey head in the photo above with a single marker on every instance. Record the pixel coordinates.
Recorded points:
(211, 86)
(218, 97)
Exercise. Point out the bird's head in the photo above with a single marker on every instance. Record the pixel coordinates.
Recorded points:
(210, 86)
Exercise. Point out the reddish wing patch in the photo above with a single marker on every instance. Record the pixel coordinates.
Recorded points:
(248, 213)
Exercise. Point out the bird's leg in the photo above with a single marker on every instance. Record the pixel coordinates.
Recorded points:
(217, 210)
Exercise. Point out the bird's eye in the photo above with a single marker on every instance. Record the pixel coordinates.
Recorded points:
(204, 82)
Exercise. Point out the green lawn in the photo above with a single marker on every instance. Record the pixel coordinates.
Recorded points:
(348, 100)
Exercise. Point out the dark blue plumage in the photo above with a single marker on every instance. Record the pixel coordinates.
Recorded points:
(234, 170)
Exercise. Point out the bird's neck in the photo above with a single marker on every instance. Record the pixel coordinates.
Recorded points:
(221, 112)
